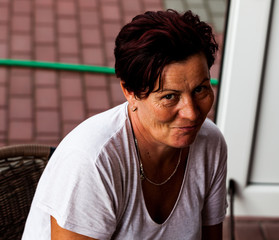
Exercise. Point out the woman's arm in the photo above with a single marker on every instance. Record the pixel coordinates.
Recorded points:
(214, 232)
(58, 233)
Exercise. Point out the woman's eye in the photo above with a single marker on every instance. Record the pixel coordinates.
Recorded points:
(169, 96)
(199, 89)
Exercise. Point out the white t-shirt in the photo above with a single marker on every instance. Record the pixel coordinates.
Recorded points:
(92, 185)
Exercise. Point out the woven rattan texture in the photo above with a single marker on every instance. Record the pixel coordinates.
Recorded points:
(19, 176)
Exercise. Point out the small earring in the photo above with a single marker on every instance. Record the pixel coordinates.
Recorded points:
(134, 109)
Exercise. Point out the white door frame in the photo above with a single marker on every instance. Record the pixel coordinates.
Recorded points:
(238, 101)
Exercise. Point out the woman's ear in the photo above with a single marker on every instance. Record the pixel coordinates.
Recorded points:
(129, 95)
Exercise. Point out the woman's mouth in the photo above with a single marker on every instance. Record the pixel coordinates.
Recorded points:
(188, 129)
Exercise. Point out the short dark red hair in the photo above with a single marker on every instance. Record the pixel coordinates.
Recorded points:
(153, 40)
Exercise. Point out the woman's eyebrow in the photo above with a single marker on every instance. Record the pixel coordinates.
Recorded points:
(205, 80)
(168, 90)
(202, 81)
(177, 91)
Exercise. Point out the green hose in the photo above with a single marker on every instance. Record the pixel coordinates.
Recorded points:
(57, 66)
(214, 81)
(65, 66)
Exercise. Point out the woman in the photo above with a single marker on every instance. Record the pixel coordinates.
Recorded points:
(153, 167)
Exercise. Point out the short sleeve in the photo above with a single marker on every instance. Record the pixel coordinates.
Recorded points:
(215, 205)
(73, 191)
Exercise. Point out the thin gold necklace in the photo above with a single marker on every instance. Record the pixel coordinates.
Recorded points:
(142, 174)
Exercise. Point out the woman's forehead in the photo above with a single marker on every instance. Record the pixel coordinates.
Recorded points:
(193, 70)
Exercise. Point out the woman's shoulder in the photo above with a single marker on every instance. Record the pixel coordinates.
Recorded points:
(210, 129)
(210, 135)
(97, 131)
(209, 148)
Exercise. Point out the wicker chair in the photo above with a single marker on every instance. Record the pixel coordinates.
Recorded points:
(20, 169)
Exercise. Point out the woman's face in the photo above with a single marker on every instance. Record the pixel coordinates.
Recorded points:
(173, 115)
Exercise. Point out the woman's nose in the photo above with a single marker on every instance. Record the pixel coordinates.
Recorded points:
(189, 110)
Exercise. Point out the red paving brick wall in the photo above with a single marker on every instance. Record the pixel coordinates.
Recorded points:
(42, 106)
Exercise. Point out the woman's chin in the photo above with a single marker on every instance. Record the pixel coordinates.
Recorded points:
(185, 142)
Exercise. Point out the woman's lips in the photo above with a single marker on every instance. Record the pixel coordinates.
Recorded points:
(188, 129)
